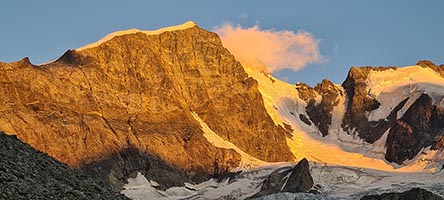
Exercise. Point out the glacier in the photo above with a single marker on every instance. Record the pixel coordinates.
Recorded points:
(342, 166)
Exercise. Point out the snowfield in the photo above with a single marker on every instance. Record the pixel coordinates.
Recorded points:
(393, 86)
(338, 148)
(342, 166)
(334, 182)
(245, 185)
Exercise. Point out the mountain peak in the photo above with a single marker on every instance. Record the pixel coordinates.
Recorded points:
(186, 25)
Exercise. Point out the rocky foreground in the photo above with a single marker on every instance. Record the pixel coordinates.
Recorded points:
(26, 173)
(177, 107)
(413, 194)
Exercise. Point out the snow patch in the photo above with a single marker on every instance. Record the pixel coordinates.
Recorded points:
(184, 26)
(247, 161)
(338, 113)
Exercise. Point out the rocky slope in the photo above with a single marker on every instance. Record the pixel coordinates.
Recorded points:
(127, 105)
(26, 173)
(413, 194)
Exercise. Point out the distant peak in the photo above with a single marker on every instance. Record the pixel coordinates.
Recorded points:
(186, 25)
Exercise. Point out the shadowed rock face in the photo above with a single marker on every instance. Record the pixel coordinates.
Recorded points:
(138, 92)
(360, 105)
(320, 114)
(419, 127)
(297, 179)
(28, 174)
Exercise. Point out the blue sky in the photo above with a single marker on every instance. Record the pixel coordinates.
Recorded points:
(351, 33)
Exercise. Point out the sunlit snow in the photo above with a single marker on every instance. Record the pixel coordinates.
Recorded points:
(186, 25)
(393, 86)
(344, 166)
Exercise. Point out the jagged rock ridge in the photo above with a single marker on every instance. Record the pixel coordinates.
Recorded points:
(320, 113)
(420, 126)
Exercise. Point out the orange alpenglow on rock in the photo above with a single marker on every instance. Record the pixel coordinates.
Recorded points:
(136, 91)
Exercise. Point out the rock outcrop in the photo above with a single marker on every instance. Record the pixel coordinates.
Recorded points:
(360, 104)
(421, 126)
(413, 194)
(431, 65)
(296, 179)
(26, 173)
(128, 103)
(320, 113)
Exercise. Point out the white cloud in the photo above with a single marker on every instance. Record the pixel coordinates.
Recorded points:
(275, 49)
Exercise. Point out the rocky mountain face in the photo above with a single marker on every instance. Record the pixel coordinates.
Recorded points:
(420, 126)
(26, 173)
(173, 105)
(360, 104)
(127, 105)
(417, 128)
(319, 113)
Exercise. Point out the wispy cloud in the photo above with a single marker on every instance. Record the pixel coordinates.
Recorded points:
(242, 16)
(275, 49)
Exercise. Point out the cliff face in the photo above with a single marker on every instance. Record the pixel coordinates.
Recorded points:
(137, 93)
(403, 107)
(410, 126)
(421, 126)
(360, 104)
(320, 113)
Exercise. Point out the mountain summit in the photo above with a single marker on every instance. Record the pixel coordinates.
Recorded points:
(137, 99)
(186, 25)
(173, 107)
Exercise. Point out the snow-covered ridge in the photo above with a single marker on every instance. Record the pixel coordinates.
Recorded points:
(393, 86)
(339, 148)
(186, 25)
(390, 80)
